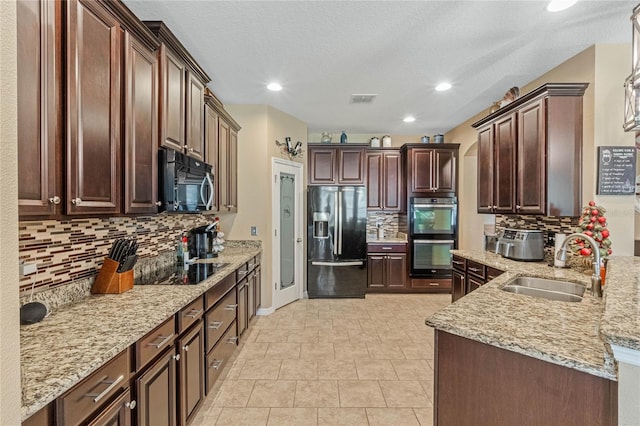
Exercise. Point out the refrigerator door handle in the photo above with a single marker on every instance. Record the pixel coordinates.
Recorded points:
(433, 241)
(340, 224)
(335, 226)
(337, 263)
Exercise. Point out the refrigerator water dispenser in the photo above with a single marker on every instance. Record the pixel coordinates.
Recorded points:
(320, 225)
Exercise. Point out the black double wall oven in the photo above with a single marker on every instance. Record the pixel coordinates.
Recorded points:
(433, 233)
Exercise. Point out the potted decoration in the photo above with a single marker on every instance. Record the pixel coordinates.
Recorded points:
(594, 224)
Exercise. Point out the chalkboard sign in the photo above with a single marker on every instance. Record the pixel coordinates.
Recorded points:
(616, 170)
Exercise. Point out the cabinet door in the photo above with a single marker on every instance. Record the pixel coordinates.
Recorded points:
(172, 101)
(376, 277)
(505, 164)
(351, 166)
(492, 273)
(222, 187)
(232, 178)
(94, 61)
(242, 307)
(458, 287)
(118, 413)
(212, 150)
(191, 373)
(39, 112)
(195, 117)
(374, 180)
(444, 170)
(421, 170)
(473, 284)
(251, 296)
(141, 128)
(396, 270)
(258, 288)
(485, 170)
(532, 148)
(156, 392)
(392, 181)
(322, 168)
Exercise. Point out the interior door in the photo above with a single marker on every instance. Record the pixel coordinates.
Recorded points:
(287, 235)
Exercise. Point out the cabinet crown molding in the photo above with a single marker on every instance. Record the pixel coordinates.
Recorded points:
(131, 23)
(214, 102)
(548, 89)
(164, 34)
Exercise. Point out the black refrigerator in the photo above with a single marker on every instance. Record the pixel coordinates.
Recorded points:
(336, 241)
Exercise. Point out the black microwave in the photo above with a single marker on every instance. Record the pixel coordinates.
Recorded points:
(185, 185)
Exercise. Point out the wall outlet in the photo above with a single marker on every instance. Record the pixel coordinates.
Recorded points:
(254, 231)
(28, 269)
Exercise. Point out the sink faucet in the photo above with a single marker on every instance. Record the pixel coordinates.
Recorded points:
(596, 287)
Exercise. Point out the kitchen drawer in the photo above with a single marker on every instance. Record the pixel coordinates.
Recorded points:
(432, 283)
(476, 269)
(241, 272)
(459, 263)
(251, 264)
(190, 314)
(44, 417)
(219, 356)
(218, 291)
(386, 248)
(492, 273)
(219, 318)
(473, 284)
(87, 397)
(155, 342)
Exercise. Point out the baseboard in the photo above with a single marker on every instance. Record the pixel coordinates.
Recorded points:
(266, 311)
(305, 295)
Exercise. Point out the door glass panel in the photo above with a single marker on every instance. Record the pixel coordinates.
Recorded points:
(433, 220)
(432, 255)
(287, 230)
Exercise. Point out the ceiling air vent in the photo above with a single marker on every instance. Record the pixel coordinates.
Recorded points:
(362, 99)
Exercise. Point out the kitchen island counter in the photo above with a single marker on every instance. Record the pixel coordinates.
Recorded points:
(567, 334)
(77, 339)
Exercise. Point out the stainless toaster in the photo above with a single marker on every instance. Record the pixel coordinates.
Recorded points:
(521, 244)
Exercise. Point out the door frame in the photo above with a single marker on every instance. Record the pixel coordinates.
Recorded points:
(279, 165)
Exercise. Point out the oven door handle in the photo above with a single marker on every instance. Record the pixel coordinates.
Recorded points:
(433, 241)
(435, 205)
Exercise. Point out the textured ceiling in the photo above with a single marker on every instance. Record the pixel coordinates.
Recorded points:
(324, 51)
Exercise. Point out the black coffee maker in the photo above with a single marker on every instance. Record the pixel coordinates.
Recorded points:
(201, 242)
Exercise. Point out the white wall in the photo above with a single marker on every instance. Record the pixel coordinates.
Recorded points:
(10, 395)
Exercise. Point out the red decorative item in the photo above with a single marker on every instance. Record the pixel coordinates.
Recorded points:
(594, 224)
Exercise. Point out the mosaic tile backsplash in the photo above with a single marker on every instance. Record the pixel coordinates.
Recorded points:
(565, 225)
(390, 222)
(69, 250)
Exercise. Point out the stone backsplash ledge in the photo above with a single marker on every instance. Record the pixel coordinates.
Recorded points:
(65, 251)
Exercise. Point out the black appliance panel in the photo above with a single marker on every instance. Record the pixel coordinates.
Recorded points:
(185, 185)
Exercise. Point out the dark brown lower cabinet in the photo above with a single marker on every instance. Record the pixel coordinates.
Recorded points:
(458, 286)
(258, 288)
(156, 392)
(251, 296)
(191, 372)
(243, 310)
(473, 283)
(482, 385)
(118, 413)
(218, 357)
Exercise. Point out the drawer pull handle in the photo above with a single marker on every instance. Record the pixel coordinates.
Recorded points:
(193, 313)
(131, 405)
(231, 307)
(161, 343)
(434, 284)
(216, 364)
(216, 325)
(232, 340)
(387, 248)
(490, 277)
(112, 384)
(474, 269)
(457, 262)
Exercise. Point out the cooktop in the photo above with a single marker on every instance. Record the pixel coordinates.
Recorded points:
(177, 275)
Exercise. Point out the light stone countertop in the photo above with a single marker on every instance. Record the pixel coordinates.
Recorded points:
(388, 240)
(562, 333)
(77, 339)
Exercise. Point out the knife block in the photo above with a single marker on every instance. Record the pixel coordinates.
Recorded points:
(108, 281)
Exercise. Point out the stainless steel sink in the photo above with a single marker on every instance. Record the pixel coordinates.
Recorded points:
(548, 289)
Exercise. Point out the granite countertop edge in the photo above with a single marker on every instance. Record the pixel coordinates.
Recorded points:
(562, 333)
(74, 341)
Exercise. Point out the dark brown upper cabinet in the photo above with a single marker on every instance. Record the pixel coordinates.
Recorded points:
(384, 180)
(337, 165)
(182, 87)
(141, 127)
(40, 190)
(432, 170)
(530, 153)
(211, 120)
(94, 63)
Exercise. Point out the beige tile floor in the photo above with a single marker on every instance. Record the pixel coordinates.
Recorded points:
(333, 362)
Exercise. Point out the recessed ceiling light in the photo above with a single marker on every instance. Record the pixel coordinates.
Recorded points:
(443, 86)
(409, 119)
(558, 5)
(275, 87)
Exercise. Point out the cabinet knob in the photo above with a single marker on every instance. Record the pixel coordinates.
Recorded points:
(186, 146)
(186, 348)
(131, 405)
(517, 207)
(158, 203)
(176, 357)
(191, 150)
(76, 201)
(54, 200)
